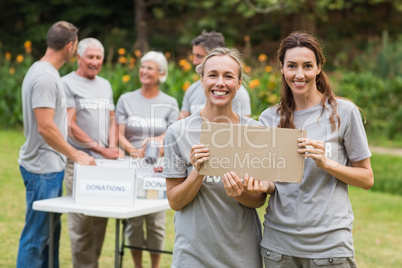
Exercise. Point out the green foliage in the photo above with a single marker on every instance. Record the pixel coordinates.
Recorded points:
(382, 57)
(12, 71)
(379, 96)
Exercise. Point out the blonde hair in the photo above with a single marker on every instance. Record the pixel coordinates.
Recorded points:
(223, 51)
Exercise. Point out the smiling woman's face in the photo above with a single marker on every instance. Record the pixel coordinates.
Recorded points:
(149, 73)
(221, 80)
(300, 70)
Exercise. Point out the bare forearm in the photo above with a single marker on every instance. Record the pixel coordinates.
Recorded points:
(113, 131)
(54, 138)
(359, 176)
(252, 200)
(183, 193)
(77, 134)
(124, 143)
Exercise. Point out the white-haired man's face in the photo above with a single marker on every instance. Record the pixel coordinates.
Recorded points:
(90, 64)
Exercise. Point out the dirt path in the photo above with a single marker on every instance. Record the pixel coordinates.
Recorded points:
(389, 151)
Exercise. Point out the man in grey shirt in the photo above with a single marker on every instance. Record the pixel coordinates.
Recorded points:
(42, 156)
(194, 99)
(92, 128)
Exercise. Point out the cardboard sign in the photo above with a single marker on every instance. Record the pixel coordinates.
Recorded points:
(264, 153)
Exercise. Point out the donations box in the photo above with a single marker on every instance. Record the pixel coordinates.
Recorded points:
(151, 183)
(110, 182)
(151, 186)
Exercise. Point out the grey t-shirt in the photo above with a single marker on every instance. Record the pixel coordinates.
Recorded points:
(314, 219)
(144, 117)
(213, 230)
(93, 101)
(194, 100)
(42, 88)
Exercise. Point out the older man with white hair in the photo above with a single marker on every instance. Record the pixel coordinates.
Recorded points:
(92, 128)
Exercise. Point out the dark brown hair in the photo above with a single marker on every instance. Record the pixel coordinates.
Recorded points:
(60, 34)
(287, 104)
(209, 40)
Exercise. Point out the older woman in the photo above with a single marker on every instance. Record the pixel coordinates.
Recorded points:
(143, 116)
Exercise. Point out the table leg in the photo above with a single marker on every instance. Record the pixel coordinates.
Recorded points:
(116, 251)
(51, 239)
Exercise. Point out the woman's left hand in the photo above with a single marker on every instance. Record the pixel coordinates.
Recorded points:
(314, 149)
(233, 184)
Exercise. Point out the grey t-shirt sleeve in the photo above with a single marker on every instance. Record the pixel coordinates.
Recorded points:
(242, 103)
(268, 118)
(43, 93)
(69, 95)
(175, 164)
(185, 104)
(355, 139)
(120, 112)
(174, 114)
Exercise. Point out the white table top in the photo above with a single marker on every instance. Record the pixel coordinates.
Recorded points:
(66, 204)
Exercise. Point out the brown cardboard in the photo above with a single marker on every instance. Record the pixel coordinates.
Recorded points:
(264, 153)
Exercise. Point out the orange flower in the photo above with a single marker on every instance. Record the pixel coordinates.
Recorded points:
(186, 85)
(122, 60)
(262, 58)
(12, 70)
(137, 53)
(132, 63)
(7, 55)
(28, 46)
(195, 77)
(20, 58)
(125, 78)
(254, 83)
(246, 38)
(268, 69)
(167, 55)
(187, 67)
(247, 69)
(121, 51)
(182, 62)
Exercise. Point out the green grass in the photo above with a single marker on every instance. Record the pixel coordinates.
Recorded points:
(387, 173)
(377, 227)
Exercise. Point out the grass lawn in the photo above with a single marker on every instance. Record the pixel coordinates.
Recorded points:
(377, 227)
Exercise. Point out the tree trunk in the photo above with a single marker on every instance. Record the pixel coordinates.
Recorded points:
(141, 26)
(303, 20)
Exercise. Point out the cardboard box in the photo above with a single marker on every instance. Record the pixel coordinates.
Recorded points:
(262, 152)
(107, 183)
(117, 182)
(150, 184)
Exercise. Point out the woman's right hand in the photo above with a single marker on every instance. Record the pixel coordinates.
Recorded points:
(135, 153)
(198, 155)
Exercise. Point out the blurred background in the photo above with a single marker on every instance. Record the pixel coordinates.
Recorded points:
(361, 38)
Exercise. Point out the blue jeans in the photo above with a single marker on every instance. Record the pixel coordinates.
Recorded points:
(33, 247)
